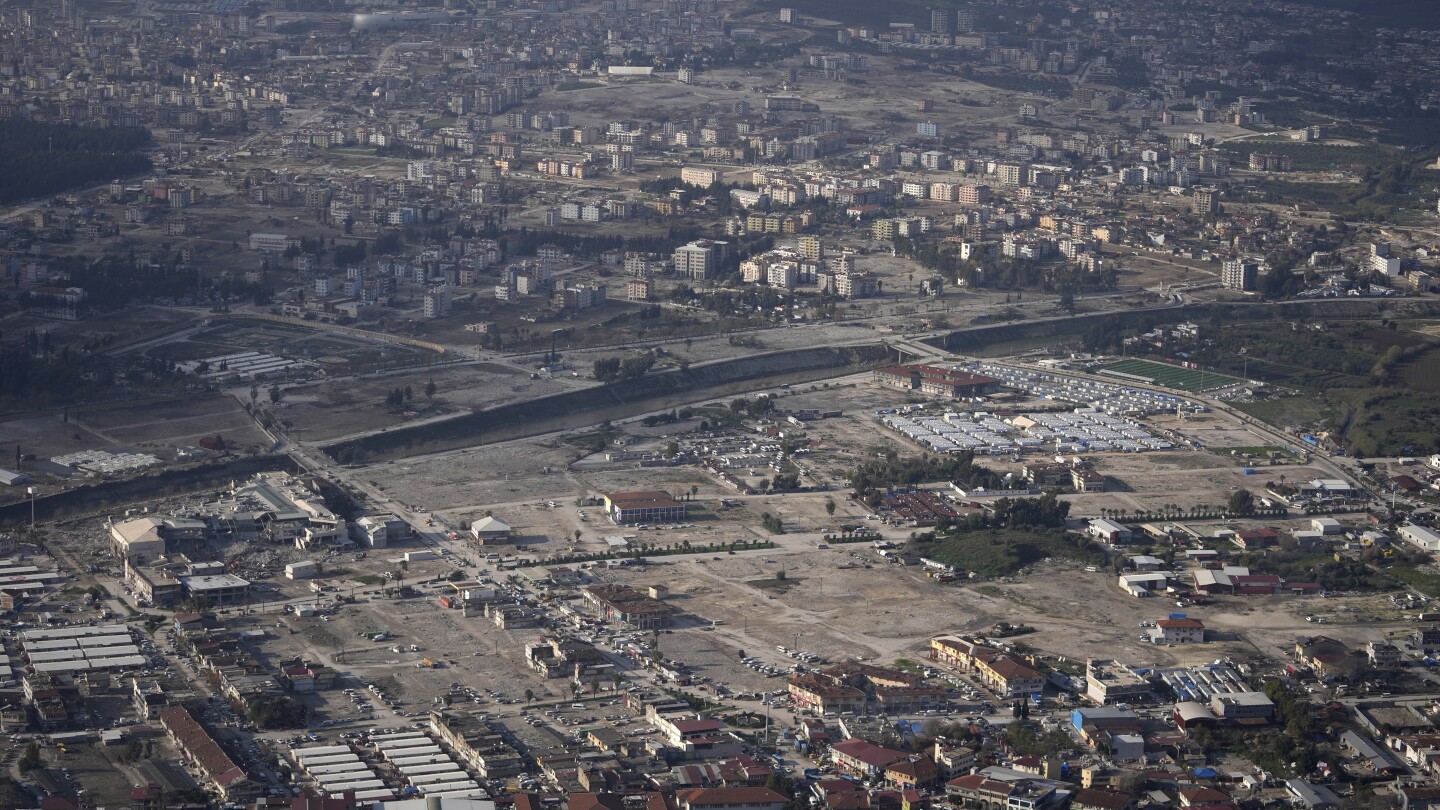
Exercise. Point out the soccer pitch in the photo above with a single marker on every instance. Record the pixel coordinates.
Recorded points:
(1184, 379)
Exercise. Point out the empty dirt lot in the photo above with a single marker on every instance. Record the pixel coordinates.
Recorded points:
(831, 604)
(154, 426)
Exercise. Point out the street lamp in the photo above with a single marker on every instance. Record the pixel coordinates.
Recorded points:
(31, 492)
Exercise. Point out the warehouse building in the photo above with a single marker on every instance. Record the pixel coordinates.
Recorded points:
(649, 506)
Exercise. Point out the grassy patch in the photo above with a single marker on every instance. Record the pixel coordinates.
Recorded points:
(1343, 356)
(775, 585)
(1021, 84)
(1288, 412)
(1002, 552)
(1423, 372)
(320, 637)
(369, 579)
(439, 123)
(564, 88)
(1424, 580)
(1314, 156)
(1262, 451)
(1387, 421)
(1339, 198)
(1345, 574)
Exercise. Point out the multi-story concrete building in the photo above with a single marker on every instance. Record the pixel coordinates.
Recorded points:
(698, 176)
(639, 289)
(1239, 274)
(1205, 202)
(973, 195)
(700, 259)
(436, 303)
(784, 275)
(857, 285)
(1108, 682)
(216, 589)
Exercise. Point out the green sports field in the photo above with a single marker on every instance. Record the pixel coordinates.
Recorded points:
(1185, 379)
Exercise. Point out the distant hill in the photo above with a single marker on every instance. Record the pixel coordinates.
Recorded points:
(1387, 13)
(853, 12)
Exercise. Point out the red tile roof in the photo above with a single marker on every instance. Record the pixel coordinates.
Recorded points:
(1012, 670)
(702, 797)
(197, 742)
(1181, 624)
(868, 752)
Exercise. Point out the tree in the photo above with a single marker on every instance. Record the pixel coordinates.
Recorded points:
(276, 395)
(278, 712)
(785, 482)
(1067, 300)
(30, 759)
(529, 695)
(607, 368)
(830, 506)
(430, 390)
(1241, 502)
(577, 535)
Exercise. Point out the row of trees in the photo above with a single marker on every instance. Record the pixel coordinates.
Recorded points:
(41, 159)
(67, 376)
(615, 369)
(395, 398)
(1044, 512)
(752, 408)
(893, 471)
